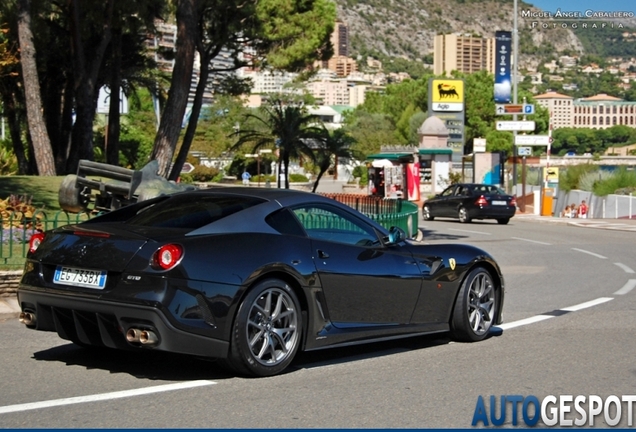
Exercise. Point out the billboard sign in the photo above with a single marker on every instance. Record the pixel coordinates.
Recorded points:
(446, 95)
(503, 81)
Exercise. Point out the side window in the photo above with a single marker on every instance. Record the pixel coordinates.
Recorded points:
(449, 191)
(323, 222)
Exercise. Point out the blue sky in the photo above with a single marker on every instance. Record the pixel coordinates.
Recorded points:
(582, 5)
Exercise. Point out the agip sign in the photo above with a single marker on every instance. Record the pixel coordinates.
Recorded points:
(446, 102)
(447, 95)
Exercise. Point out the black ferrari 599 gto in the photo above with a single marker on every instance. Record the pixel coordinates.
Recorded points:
(250, 277)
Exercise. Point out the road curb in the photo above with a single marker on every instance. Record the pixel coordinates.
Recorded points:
(9, 307)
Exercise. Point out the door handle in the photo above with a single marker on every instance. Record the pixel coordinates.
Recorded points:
(322, 254)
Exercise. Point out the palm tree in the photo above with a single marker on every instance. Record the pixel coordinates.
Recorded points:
(333, 144)
(289, 128)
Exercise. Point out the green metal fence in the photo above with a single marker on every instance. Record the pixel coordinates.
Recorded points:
(387, 212)
(17, 228)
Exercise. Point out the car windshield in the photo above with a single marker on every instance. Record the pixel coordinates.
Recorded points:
(191, 211)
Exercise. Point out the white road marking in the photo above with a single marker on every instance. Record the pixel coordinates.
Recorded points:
(624, 267)
(525, 321)
(539, 318)
(590, 253)
(532, 241)
(469, 231)
(103, 396)
(630, 285)
(585, 305)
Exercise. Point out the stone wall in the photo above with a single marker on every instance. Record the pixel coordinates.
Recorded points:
(9, 281)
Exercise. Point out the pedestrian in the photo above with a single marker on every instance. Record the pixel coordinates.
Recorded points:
(573, 210)
(582, 212)
(246, 178)
(566, 213)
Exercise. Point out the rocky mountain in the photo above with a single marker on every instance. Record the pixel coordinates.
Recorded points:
(406, 28)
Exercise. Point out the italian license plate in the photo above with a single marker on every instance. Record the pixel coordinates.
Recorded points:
(80, 277)
(498, 202)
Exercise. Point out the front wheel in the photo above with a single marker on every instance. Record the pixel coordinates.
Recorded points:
(475, 308)
(267, 330)
(426, 213)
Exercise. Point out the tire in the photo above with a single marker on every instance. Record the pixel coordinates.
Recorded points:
(462, 214)
(426, 213)
(475, 307)
(267, 330)
(71, 197)
(503, 221)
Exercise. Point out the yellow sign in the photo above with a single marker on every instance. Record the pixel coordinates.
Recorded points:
(447, 90)
(551, 174)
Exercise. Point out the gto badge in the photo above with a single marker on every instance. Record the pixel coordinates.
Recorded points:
(451, 262)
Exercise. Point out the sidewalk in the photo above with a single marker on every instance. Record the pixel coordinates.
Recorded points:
(607, 224)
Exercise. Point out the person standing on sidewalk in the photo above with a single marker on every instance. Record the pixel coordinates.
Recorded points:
(582, 210)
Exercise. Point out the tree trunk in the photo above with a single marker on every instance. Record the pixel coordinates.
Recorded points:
(16, 139)
(86, 87)
(112, 134)
(37, 126)
(194, 118)
(170, 126)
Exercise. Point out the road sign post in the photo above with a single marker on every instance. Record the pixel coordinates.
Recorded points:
(533, 140)
(524, 125)
(511, 109)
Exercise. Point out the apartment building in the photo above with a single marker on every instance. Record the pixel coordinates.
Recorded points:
(463, 52)
(340, 39)
(600, 111)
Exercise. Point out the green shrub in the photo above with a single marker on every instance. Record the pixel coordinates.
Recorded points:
(204, 174)
(298, 178)
(620, 180)
(361, 172)
(571, 177)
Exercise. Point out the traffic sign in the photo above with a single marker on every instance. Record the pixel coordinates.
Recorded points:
(509, 109)
(503, 125)
(524, 151)
(533, 140)
(187, 168)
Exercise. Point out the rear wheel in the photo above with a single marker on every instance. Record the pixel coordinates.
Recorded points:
(267, 330)
(426, 213)
(503, 221)
(462, 214)
(475, 307)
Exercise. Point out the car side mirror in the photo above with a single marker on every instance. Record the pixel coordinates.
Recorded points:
(396, 235)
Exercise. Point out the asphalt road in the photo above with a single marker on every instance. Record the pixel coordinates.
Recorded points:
(569, 314)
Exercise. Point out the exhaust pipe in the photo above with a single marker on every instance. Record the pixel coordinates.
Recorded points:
(133, 335)
(148, 338)
(27, 318)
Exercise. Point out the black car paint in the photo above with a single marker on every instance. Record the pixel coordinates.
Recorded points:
(192, 306)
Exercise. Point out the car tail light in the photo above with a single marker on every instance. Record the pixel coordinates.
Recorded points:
(513, 202)
(481, 201)
(35, 241)
(167, 256)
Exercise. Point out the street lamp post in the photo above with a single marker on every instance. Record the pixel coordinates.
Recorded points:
(258, 162)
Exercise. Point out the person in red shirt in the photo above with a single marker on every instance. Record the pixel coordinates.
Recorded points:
(582, 211)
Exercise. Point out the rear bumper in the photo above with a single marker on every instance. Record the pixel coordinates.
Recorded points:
(493, 212)
(105, 323)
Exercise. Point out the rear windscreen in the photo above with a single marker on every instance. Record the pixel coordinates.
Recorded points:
(191, 211)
